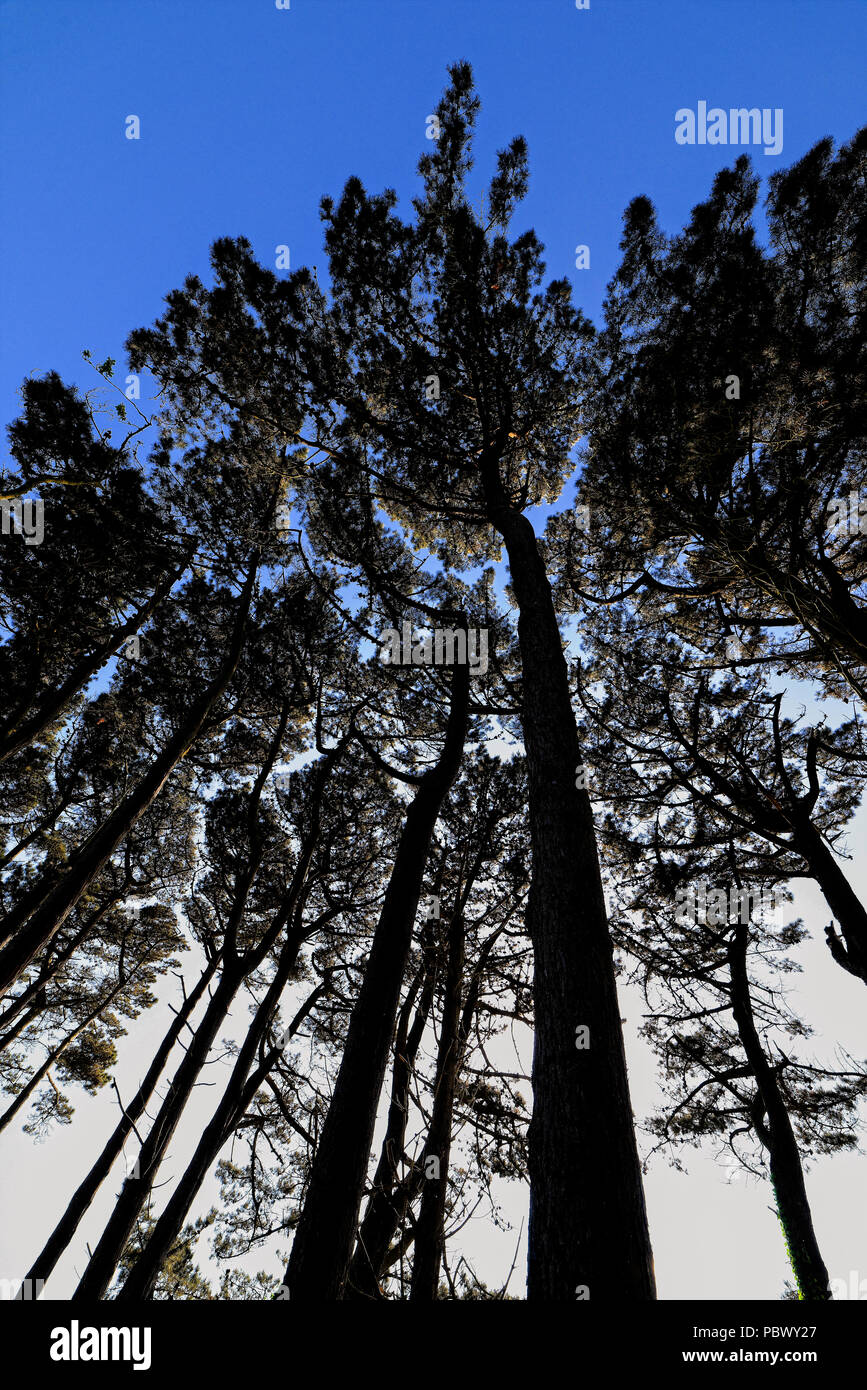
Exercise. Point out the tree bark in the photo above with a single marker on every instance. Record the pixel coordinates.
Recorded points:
(322, 1249)
(778, 1137)
(120, 1225)
(382, 1214)
(430, 1225)
(51, 703)
(839, 895)
(587, 1232)
(84, 1194)
(238, 1095)
(129, 1204)
(42, 913)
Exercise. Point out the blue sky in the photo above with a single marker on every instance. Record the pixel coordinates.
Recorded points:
(249, 114)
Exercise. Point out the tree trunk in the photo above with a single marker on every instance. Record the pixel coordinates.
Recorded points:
(324, 1238)
(33, 995)
(51, 703)
(390, 1199)
(84, 1194)
(133, 1194)
(143, 1274)
(430, 1226)
(58, 1050)
(45, 910)
(587, 1232)
(238, 1095)
(787, 1176)
(382, 1214)
(831, 617)
(839, 895)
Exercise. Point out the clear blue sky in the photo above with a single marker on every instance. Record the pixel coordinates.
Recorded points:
(249, 114)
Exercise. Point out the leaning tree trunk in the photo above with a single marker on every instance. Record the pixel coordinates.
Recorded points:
(831, 616)
(51, 703)
(588, 1235)
(40, 915)
(391, 1199)
(84, 1194)
(777, 1135)
(322, 1248)
(430, 1226)
(381, 1217)
(133, 1195)
(241, 1086)
(31, 1001)
(840, 896)
(239, 1093)
(59, 1048)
